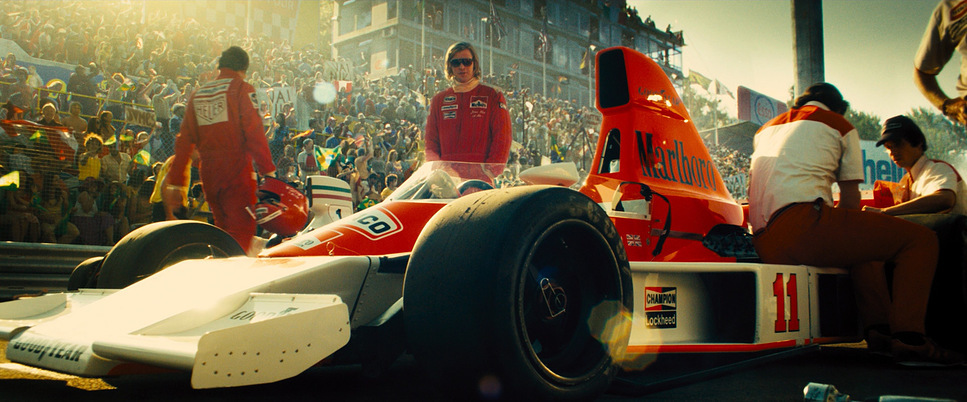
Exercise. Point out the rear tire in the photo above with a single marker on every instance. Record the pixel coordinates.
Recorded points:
(151, 248)
(84, 274)
(519, 294)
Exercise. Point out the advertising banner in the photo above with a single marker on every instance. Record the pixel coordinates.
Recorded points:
(758, 108)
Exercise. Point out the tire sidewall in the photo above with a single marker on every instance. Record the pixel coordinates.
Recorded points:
(483, 285)
(151, 248)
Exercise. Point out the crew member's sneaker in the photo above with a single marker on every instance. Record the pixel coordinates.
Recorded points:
(878, 343)
(929, 354)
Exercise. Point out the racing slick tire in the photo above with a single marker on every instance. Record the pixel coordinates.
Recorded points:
(151, 248)
(519, 294)
(84, 274)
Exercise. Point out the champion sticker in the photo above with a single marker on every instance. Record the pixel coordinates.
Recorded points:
(450, 115)
(661, 298)
(450, 99)
(449, 107)
(661, 304)
(478, 102)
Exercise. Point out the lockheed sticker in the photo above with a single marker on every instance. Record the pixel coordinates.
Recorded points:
(661, 304)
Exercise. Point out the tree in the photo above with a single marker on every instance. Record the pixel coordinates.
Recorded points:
(704, 111)
(945, 140)
(867, 125)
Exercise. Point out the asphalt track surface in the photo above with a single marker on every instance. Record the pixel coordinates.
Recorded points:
(765, 378)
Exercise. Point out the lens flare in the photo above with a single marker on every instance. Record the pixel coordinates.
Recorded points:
(489, 387)
(324, 93)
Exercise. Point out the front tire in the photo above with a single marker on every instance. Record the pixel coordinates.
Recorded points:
(151, 248)
(519, 294)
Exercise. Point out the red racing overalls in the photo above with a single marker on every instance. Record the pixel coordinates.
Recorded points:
(222, 122)
(469, 126)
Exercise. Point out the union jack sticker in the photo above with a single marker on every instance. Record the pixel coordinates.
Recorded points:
(450, 115)
(633, 240)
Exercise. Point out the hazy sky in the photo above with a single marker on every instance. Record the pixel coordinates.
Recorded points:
(869, 47)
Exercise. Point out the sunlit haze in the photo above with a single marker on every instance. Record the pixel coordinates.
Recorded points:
(869, 47)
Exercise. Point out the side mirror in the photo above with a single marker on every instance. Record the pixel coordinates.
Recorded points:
(631, 200)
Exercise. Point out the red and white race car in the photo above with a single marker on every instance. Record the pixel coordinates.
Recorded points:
(545, 291)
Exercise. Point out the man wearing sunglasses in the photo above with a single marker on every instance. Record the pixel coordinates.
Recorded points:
(467, 122)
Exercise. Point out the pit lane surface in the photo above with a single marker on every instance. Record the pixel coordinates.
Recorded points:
(847, 366)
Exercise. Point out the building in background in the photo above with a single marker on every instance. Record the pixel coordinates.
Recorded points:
(536, 44)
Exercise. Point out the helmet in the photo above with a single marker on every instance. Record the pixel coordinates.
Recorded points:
(281, 209)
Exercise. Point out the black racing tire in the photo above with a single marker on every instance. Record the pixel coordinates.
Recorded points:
(84, 274)
(151, 248)
(521, 293)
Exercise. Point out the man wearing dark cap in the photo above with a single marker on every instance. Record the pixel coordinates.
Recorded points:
(222, 122)
(930, 186)
(798, 156)
(930, 194)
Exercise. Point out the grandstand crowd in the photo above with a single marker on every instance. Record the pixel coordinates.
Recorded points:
(97, 181)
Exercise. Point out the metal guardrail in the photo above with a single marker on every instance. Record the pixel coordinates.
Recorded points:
(33, 268)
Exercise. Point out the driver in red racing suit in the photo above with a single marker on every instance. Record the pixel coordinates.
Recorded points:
(468, 122)
(222, 121)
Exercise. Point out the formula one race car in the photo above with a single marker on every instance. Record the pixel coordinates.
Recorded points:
(540, 291)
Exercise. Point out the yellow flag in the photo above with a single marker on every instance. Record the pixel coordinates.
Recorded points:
(10, 180)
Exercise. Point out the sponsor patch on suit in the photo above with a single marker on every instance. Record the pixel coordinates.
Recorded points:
(478, 102)
(450, 99)
(450, 107)
(211, 110)
(450, 115)
(478, 106)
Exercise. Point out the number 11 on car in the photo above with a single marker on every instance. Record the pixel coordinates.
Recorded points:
(783, 288)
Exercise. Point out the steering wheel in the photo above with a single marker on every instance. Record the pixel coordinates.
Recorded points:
(468, 186)
(438, 185)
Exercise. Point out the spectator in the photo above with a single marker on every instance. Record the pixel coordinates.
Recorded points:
(391, 183)
(103, 125)
(80, 83)
(25, 225)
(49, 116)
(54, 213)
(116, 165)
(95, 228)
(278, 136)
(76, 123)
(307, 162)
(89, 161)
